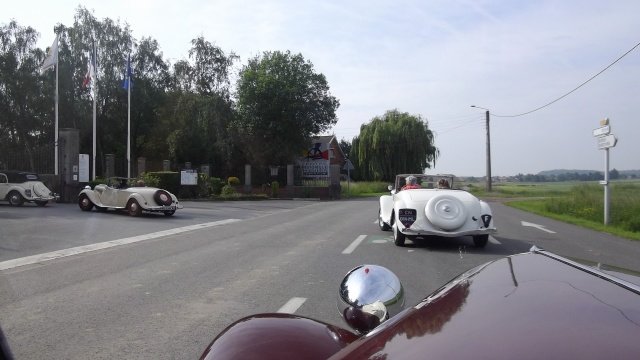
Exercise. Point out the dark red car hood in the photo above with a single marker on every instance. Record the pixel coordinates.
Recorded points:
(528, 306)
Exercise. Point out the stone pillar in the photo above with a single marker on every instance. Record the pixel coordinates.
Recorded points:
(247, 179)
(290, 181)
(187, 165)
(69, 155)
(205, 169)
(142, 165)
(110, 166)
(166, 165)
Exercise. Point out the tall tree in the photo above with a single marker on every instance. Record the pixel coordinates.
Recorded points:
(282, 102)
(26, 113)
(392, 144)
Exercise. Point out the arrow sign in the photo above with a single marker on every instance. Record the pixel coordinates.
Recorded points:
(603, 130)
(607, 141)
(539, 227)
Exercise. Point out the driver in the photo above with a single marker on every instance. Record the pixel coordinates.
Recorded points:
(411, 183)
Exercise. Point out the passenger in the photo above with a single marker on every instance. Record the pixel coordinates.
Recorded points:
(443, 184)
(123, 184)
(411, 183)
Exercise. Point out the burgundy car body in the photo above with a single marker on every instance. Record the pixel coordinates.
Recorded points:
(535, 305)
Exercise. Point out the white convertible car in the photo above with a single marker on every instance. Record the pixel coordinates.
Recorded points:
(427, 209)
(118, 194)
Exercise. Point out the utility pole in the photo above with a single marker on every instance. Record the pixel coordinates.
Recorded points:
(489, 189)
(488, 155)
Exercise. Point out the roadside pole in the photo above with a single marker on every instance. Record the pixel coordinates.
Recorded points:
(348, 166)
(605, 142)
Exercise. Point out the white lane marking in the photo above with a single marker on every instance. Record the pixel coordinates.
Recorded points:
(539, 227)
(494, 241)
(354, 244)
(28, 260)
(292, 305)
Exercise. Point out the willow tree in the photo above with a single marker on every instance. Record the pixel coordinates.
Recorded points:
(391, 144)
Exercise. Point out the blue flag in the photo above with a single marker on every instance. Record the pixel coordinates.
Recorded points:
(127, 75)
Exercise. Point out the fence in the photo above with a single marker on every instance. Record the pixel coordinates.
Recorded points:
(40, 160)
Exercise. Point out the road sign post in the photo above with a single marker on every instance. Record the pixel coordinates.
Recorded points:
(348, 165)
(606, 140)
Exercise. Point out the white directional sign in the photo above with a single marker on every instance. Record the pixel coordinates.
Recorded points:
(607, 141)
(603, 130)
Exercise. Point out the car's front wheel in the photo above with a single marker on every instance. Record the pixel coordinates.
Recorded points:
(383, 225)
(15, 199)
(480, 240)
(84, 203)
(134, 208)
(398, 237)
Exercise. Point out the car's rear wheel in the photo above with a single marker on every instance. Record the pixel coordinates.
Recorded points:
(398, 237)
(84, 203)
(15, 199)
(134, 208)
(41, 202)
(383, 225)
(169, 213)
(480, 240)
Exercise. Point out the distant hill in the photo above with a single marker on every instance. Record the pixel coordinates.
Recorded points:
(565, 171)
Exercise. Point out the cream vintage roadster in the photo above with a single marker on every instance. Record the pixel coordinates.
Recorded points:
(118, 193)
(427, 208)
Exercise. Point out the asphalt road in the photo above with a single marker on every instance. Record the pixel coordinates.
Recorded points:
(167, 296)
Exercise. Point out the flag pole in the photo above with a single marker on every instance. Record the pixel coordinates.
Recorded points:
(129, 117)
(94, 131)
(56, 122)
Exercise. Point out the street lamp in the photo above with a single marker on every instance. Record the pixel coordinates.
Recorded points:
(488, 149)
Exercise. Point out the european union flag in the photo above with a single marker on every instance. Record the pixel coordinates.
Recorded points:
(126, 83)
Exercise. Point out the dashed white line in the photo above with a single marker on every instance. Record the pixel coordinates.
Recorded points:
(292, 305)
(28, 260)
(354, 244)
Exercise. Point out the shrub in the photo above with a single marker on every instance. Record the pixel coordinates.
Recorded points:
(275, 189)
(150, 180)
(215, 185)
(228, 190)
(168, 180)
(233, 181)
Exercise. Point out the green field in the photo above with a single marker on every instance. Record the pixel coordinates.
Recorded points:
(579, 203)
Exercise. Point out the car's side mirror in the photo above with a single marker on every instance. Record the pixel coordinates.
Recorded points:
(368, 296)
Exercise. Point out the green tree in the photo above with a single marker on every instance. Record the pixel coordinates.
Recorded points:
(282, 103)
(26, 113)
(392, 144)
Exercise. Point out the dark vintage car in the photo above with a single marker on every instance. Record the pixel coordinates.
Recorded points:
(535, 305)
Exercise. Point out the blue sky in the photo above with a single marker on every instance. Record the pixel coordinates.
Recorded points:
(429, 58)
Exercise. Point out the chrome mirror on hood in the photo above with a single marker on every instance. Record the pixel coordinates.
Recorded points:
(368, 296)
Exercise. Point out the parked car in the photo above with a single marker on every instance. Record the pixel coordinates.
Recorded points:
(16, 187)
(535, 305)
(126, 194)
(429, 209)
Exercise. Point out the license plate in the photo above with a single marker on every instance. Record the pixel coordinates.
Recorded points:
(407, 216)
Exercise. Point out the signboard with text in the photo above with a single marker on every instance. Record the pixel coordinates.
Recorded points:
(315, 164)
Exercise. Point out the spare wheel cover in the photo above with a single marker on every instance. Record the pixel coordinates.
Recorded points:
(162, 197)
(446, 212)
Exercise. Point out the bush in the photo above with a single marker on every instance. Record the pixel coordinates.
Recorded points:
(150, 180)
(228, 190)
(233, 181)
(167, 180)
(215, 185)
(275, 189)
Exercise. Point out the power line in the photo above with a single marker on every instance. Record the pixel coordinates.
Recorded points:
(578, 87)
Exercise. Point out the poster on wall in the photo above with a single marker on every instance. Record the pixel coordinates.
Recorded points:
(316, 162)
(83, 168)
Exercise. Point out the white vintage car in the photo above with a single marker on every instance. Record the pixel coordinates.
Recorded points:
(431, 210)
(118, 193)
(20, 186)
